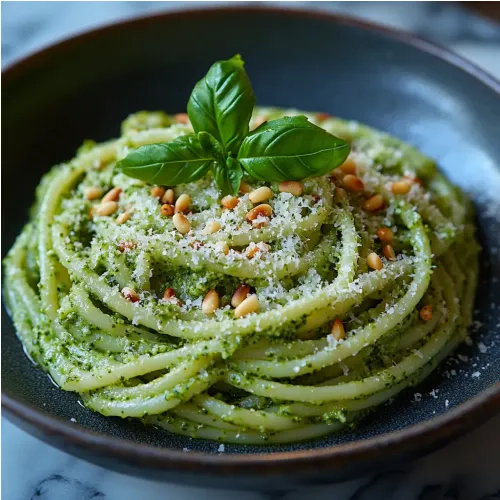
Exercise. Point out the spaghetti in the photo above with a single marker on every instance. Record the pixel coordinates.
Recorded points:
(267, 321)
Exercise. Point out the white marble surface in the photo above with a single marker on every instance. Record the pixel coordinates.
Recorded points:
(468, 469)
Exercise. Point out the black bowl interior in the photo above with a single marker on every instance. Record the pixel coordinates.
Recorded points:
(85, 87)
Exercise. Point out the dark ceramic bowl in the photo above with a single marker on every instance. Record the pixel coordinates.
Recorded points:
(83, 88)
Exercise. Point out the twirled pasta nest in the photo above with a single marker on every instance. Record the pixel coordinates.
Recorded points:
(217, 325)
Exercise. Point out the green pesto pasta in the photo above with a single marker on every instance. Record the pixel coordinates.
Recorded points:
(273, 316)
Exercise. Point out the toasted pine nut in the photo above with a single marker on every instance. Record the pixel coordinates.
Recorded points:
(353, 183)
(182, 118)
(126, 245)
(260, 224)
(252, 250)
(426, 313)
(167, 210)
(182, 203)
(157, 191)
(211, 227)
(401, 187)
(374, 261)
(122, 218)
(245, 187)
(112, 194)
(107, 208)
(260, 194)
(263, 210)
(222, 246)
(240, 294)
(249, 305)
(385, 234)
(168, 197)
(93, 193)
(181, 223)
(169, 293)
(374, 203)
(130, 294)
(348, 167)
(229, 201)
(338, 330)
(340, 194)
(210, 303)
(292, 187)
(389, 252)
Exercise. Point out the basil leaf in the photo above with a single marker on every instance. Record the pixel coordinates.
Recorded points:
(169, 163)
(291, 148)
(222, 103)
(228, 177)
(211, 145)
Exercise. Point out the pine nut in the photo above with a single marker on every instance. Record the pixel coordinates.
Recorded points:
(252, 250)
(248, 306)
(169, 294)
(348, 167)
(389, 252)
(130, 294)
(245, 187)
(107, 208)
(426, 313)
(168, 197)
(374, 261)
(240, 294)
(181, 223)
(385, 234)
(211, 227)
(157, 192)
(260, 224)
(112, 194)
(340, 194)
(222, 246)
(182, 118)
(259, 211)
(338, 330)
(401, 187)
(229, 201)
(93, 193)
(126, 245)
(374, 203)
(260, 194)
(167, 210)
(122, 218)
(353, 183)
(292, 187)
(210, 303)
(182, 203)
(337, 174)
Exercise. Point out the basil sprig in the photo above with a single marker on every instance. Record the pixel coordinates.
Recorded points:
(220, 108)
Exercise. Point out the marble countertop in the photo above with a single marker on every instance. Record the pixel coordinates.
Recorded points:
(468, 469)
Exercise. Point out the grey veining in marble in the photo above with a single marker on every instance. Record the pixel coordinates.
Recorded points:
(468, 469)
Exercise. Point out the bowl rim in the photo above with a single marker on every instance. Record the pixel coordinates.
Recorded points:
(424, 435)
